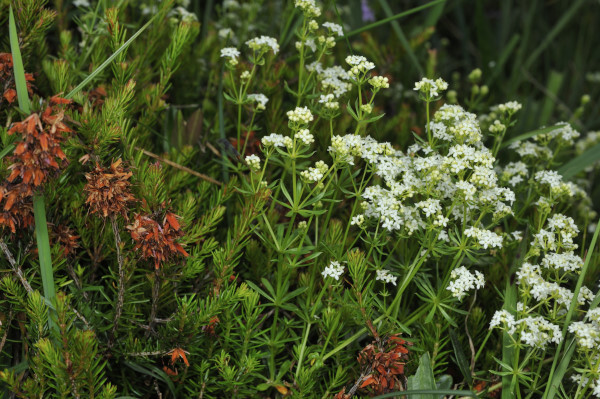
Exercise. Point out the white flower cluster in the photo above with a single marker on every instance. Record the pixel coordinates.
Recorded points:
(333, 79)
(419, 185)
(514, 173)
(452, 123)
(562, 230)
(430, 88)
(253, 162)
(334, 270)
(464, 281)
(358, 65)
(587, 334)
(263, 44)
(231, 53)
(334, 28)
(385, 276)
(539, 332)
(316, 173)
(533, 331)
(554, 181)
(562, 133)
(260, 99)
(277, 140)
(308, 7)
(379, 82)
(305, 136)
(328, 101)
(510, 107)
(485, 238)
(300, 116)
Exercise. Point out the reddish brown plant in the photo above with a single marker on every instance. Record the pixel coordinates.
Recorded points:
(7, 81)
(383, 365)
(37, 157)
(157, 240)
(108, 190)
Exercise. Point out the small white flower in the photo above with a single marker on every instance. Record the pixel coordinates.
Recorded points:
(503, 319)
(305, 136)
(386, 276)
(464, 281)
(334, 28)
(334, 270)
(230, 52)
(253, 162)
(263, 43)
(300, 115)
(260, 99)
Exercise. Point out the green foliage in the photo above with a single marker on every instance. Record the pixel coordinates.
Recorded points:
(195, 254)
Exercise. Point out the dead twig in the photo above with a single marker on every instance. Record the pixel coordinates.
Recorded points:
(180, 167)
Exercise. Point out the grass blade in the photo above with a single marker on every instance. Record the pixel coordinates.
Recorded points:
(553, 86)
(43, 243)
(392, 18)
(39, 208)
(461, 359)
(19, 74)
(580, 162)
(6, 150)
(566, 16)
(557, 371)
(403, 41)
(530, 134)
(106, 63)
(508, 351)
(438, 392)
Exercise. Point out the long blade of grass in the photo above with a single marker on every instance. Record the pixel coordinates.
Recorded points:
(580, 162)
(43, 243)
(9, 148)
(39, 208)
(557, 371)
(392, 18)
(402, 38)
(508, 350)
(530, 134)
(438, 392)
(19, 71)
(106, 63)
(566, 17)
(552, 87)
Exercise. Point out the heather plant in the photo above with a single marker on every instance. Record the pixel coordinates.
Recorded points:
(306, 228)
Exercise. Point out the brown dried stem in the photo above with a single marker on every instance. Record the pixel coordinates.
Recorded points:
(15, 267)
(121, 294)
(180, 167)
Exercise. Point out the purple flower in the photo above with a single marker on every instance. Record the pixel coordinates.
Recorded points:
(367, 13)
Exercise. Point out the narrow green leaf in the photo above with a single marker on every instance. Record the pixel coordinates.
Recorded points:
(552, 88)
(402, 38)
(153, 372)
(558, 371)
(9, 148)
(461, 359)
(106, 63)
(392, 18)
(580, 162)
(19, 74)
(437, 392)
(560, 25)
(43, 243)
(530, 134)
(510, 304)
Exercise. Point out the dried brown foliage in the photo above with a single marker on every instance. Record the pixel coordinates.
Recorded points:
(7, 81)
(109, 190)
(37, 157)
(157, 240)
